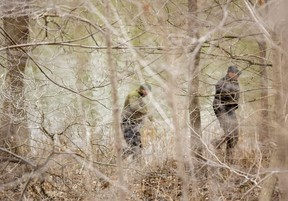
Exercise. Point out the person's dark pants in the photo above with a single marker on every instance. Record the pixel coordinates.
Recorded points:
(229, 123)
(132, 136)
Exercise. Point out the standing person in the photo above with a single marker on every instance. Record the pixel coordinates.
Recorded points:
(134, 112)
(225, 104)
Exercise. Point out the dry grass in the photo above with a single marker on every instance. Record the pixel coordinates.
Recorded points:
(153, 177)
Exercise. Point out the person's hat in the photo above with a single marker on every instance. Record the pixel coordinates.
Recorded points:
(234, 69)
(146, 86)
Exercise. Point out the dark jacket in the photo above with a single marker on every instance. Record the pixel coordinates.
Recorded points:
(227, 94)
(135, 108)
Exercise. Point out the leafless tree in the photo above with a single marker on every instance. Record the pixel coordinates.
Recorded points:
(278, 161)
(14, 133)
(69, 64)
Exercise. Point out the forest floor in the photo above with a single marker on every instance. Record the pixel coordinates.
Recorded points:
(154, 177)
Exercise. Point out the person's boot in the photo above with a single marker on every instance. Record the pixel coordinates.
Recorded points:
(217, 143)
(229, 156)
(126, 152)
(137, 155)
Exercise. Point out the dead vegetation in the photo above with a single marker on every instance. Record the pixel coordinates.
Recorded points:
(65, 178)
(69, 174)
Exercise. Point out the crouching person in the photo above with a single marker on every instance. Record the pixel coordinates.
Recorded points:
(134, 112)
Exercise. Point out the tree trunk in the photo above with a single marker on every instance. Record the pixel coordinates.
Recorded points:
(194, 105)
(269, 184)
(264, 122)
(279, 161)
(115, 107)
(283, 137)
(13, 132)
(193, 84)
